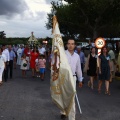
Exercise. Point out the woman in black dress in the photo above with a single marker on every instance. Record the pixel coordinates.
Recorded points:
(104, 70)
(92, 66)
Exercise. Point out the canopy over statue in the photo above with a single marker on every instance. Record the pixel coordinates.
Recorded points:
(33, 42)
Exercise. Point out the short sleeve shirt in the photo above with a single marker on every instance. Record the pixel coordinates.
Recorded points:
(42, 51)
(112, 55)
(42, 63)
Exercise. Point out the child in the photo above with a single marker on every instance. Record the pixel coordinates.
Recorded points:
(23, 65)
(42, 64)
(37, 66)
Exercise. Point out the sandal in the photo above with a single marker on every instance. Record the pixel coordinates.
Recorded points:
(107, 92)
(89, 84)
(92, 87)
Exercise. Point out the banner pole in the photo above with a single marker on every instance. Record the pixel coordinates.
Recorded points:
(78, 104)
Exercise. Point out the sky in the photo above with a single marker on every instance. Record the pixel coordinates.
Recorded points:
(18, 18)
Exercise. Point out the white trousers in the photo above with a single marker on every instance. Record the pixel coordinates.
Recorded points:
(1, 73)
(72, 113)
(19, 60)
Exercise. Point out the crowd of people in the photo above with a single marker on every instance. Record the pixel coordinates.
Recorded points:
(35, 59)
(26, 58)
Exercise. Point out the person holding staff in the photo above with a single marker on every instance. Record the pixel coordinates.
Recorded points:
(74, 62)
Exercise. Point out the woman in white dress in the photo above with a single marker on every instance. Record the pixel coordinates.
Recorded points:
(19, 53)
(2, 64)
(23, 65)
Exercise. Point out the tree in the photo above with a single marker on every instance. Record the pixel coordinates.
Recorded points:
(2, 35)
(88, 18)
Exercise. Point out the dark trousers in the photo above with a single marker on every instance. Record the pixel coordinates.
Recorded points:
(6, 73)
(10, 69)
(82, 67)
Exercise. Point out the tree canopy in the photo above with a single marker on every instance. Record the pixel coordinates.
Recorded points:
(2, 35)
(87, 18)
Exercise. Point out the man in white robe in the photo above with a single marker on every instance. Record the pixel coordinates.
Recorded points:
(19, 53)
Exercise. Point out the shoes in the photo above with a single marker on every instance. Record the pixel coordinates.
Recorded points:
(107, 92)
(92, 87)
(38, 76)
(89, 84)
(63, 117)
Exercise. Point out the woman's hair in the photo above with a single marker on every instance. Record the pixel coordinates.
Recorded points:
(23, 55)
(42, 56)
(103, 48)
(36, 50)
(91, 49)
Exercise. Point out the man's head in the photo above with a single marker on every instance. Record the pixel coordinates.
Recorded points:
(26, 46)
(78, 49)
(21, 46)
(40, 46)
(109, 48)
(3, 46)
(10, 47)
(71, 45)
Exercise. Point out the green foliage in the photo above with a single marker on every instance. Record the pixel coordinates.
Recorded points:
(13, 41)
(2, 35)
(87, 18)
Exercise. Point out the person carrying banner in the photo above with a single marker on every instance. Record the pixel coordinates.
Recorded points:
(65, 65)
(74, 62)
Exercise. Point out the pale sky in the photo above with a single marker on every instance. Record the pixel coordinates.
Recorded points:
(18, 18)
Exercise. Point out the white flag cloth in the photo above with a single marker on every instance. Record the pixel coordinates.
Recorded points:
(62, 82)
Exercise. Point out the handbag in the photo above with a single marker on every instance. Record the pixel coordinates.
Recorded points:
(24, 64)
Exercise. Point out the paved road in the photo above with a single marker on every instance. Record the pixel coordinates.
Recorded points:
(29, 99)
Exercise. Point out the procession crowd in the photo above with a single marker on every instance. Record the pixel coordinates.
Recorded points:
(35, 60)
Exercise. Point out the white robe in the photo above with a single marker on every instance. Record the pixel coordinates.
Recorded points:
(19, 53)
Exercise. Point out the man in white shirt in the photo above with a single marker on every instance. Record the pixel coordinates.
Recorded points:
(42, 50)
(6, 53)
(74, 61)
(12, 60)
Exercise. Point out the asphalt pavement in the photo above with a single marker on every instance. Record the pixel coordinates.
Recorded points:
(29, 99)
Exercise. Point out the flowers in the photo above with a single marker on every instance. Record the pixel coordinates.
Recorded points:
(24, 64)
